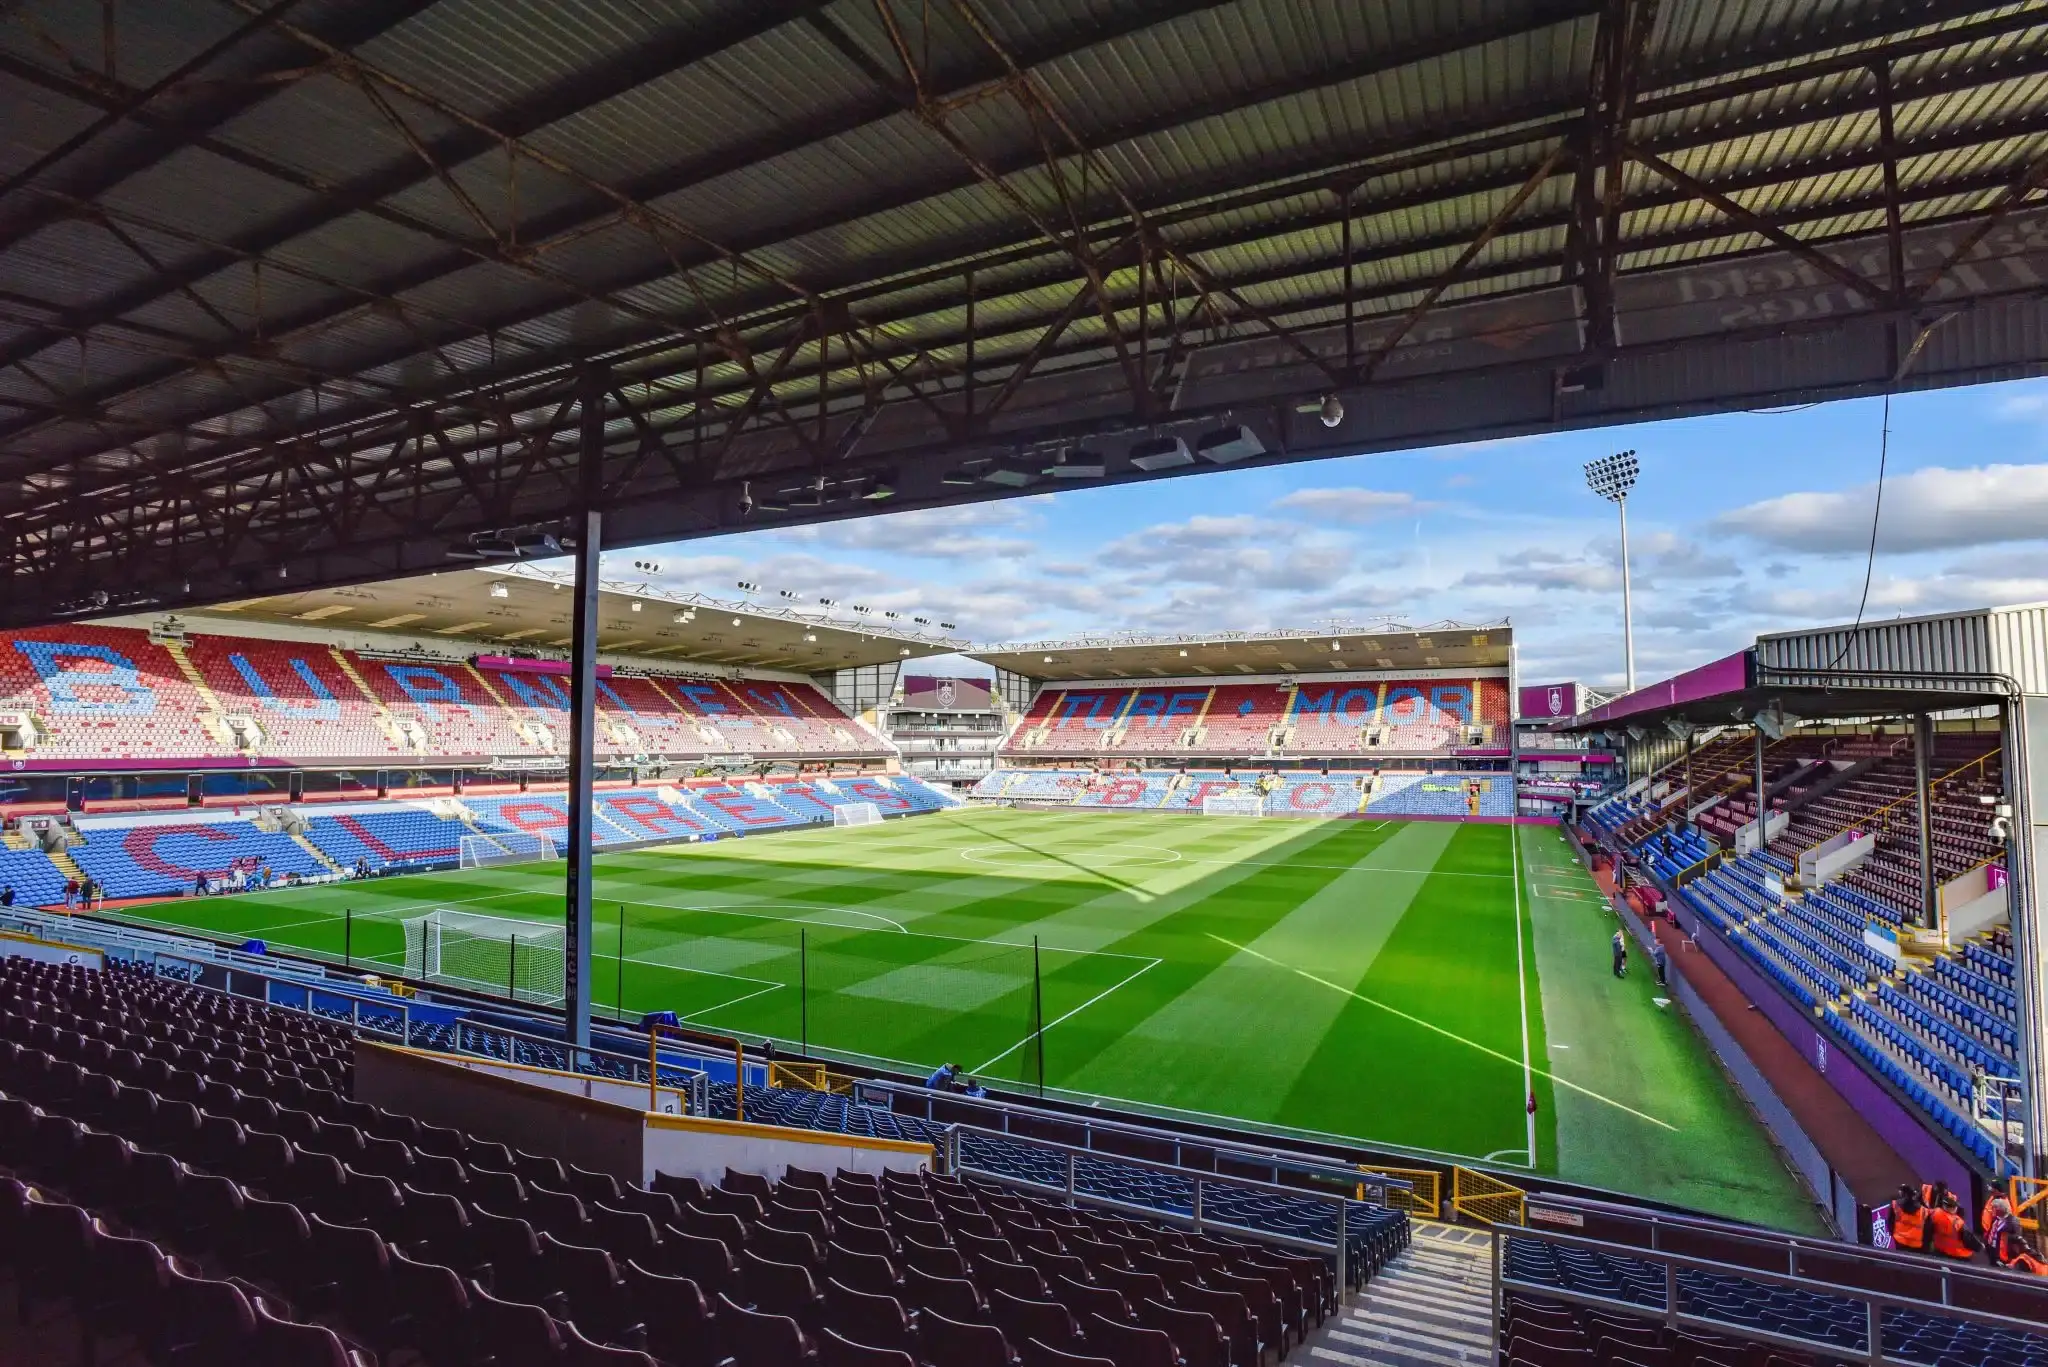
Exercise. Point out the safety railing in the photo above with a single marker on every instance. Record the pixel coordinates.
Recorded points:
(1111, 1138)
(1423, 1197)
(1083, 1177)
(1875, 1324)
(2028, 1197)
(1485, 1199)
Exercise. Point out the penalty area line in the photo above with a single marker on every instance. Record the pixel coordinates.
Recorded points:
(1040, 1032)
(1438, 1029)
(747, 997)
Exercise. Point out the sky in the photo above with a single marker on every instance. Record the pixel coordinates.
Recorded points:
(1741, 524)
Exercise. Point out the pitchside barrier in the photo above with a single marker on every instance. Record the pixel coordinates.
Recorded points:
(1199, 1200)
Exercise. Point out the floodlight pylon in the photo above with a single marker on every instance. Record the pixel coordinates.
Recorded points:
(1612, 477)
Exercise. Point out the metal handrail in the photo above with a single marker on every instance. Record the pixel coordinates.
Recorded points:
(1874, 1302)
(1792, 1246)
(1279, 1160)
(1338, 1247)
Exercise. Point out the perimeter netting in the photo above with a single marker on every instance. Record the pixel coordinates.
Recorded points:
(522, 960)
(507, 847)
(1234, 804)
(857, 814)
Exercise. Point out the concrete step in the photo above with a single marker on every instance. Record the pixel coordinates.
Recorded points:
(1430, 1307)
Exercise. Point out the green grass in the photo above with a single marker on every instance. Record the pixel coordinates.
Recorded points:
(1405, 984)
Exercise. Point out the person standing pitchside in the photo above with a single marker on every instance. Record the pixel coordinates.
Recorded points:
(1620, 955)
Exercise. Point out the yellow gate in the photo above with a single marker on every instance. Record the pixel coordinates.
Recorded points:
(1423, 1199)
(2029, 1197)
(1485, 1199)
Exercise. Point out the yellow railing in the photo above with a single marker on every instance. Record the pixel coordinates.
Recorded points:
(1485, 1199)
(2028, 1194)
(807, 1076)
(1424, 1197)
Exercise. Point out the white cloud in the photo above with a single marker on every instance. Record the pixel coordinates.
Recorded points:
(2024, 403)
(1352, 505)
(1543, 569)
(1936, 508)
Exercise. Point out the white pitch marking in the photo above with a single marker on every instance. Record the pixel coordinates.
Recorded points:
(1438, 1029)
(1040, 1032)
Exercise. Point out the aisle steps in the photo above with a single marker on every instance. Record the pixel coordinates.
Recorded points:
(1430, 1307)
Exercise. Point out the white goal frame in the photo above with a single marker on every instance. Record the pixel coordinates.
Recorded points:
(1242, 803)
(856, 814)
(501, 955)
(506, 847)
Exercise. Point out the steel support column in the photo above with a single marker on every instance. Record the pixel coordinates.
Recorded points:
(2024, 725)
(1923, 758)
(1763, 808)
(583, 705)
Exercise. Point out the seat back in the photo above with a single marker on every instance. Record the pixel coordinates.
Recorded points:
(1131, 1345)
(948, 1342)
(512, 1331)
(755, 1339)
(1022, 1319)
(835, 1350)
(677, 1316)
(954, 1296)
(787, 1245)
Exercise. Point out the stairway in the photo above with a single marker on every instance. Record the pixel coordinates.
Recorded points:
(325, 861)
(66, 865)
(1430, 1307)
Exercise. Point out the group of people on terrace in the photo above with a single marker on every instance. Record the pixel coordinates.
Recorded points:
(1929, 1219)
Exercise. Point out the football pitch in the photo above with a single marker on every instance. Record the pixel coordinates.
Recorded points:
(1406, 984)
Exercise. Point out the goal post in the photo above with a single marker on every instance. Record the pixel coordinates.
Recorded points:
(506, 847)
(522, 960)
(1242, 803)
(857, 814)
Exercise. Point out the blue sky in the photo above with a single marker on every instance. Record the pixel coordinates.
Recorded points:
(1742, 524)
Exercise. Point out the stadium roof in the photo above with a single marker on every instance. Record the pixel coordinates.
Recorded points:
(532, 616)
(1940, 662)
(330, 286)
(1330, 649)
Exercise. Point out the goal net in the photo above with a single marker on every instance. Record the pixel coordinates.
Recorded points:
(509, 847)
(1246, 803)
(857, 814)
(495, 954)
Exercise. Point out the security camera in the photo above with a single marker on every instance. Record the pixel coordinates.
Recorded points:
(2000, 830)
(746, 500)
(1331, 411)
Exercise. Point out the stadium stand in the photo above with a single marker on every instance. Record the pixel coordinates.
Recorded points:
(1325, 716)
(89, 693)
(185, 1171)
(35, 880)
(161, 859)
(1338, 793)
(1933, 1028)
(1542, 1333)
(192, 1172)
(138, 857)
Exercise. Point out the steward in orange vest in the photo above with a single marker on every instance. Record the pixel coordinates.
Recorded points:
(1950, 1235)
(1908, 1221)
